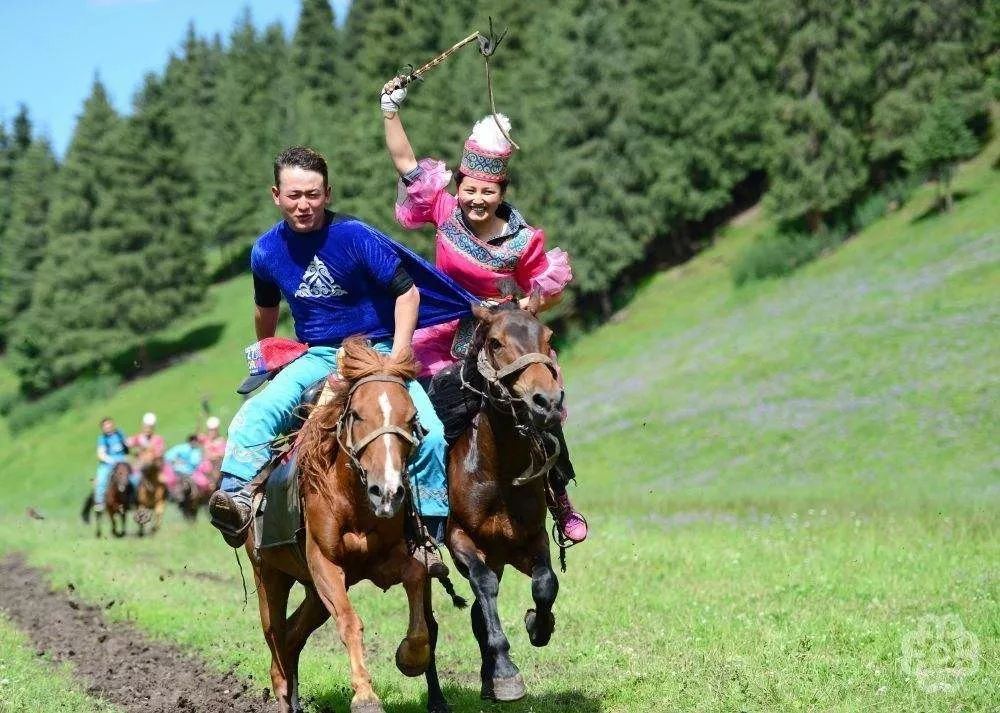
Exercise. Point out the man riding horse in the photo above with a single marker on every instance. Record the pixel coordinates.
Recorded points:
(340, 277)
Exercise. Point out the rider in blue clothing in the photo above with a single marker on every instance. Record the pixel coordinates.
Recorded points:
(111, 449)
(339, 277)
(185, 457)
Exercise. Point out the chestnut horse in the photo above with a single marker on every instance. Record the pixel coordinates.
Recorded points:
(117, 500)
(151, 494)
(352, 460)
(497, 481)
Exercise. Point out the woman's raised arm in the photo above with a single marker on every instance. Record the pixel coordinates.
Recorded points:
(396, 139)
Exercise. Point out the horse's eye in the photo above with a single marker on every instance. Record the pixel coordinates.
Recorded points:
(495, 343)
(354, 415)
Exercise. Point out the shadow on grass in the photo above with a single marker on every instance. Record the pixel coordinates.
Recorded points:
(465, 699)
(162, 353)
(937, 207)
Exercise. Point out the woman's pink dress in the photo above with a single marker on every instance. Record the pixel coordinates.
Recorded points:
(476, 265)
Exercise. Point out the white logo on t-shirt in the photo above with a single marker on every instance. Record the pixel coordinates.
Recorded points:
(317, 282)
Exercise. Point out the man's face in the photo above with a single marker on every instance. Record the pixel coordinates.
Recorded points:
(302, 197)
(108, 427)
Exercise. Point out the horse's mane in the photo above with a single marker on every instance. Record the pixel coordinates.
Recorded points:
(317, 444)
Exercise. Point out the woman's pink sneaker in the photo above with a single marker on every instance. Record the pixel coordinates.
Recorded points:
(571, 524)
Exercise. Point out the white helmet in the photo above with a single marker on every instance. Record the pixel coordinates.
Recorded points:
(212, 422)
(149, 419)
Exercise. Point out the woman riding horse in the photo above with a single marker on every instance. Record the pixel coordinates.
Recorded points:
(481, 240)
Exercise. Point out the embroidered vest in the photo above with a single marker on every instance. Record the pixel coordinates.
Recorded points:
(498, 258)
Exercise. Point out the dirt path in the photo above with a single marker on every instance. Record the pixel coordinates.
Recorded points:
(115, 661)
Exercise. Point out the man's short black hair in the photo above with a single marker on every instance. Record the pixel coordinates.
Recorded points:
(301, 157)
(106, 419)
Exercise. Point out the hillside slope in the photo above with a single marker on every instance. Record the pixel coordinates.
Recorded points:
(784, 483)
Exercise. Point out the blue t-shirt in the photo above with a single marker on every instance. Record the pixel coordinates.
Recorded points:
(113, 444)
(336, 281)
(184, 458)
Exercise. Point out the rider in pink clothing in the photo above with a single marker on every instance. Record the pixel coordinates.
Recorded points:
(517, 251)
(147, 443)
(213, 447)
(481, 239)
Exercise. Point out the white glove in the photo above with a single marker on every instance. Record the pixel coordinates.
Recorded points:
(392, 99)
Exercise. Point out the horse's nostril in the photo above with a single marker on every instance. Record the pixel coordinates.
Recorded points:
(399, 493)
(541, 401)
(375, 491)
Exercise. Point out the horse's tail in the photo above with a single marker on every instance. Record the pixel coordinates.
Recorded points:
(88, 505)
(457, 601)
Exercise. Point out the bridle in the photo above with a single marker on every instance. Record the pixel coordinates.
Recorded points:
(499, 396)
(345, 428)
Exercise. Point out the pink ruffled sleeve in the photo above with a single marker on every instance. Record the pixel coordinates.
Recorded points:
(425, 200)
(549, 271)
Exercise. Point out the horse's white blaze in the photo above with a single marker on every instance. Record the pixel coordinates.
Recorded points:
(393, 475)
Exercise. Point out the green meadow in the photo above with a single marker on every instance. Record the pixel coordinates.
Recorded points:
(793, 489)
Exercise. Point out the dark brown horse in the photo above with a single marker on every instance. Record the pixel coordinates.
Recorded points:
(193, 492)
(118, 498)
(352, 458)
(497, 482)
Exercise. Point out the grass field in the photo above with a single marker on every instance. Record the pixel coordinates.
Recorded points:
(789, 485)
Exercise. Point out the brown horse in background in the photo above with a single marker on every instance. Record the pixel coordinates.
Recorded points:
(118, 499)
(497, 482)
(352, 455)
(151, 495)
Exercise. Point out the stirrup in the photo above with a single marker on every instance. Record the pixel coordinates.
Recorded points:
(427, 555)
(234, 536)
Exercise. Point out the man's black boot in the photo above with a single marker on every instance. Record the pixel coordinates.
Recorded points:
(230, 513)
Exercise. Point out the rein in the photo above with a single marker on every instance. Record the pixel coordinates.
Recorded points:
(353, 451)
(499, 396)
(345, 425)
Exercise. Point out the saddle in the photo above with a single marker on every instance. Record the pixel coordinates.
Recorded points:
(455, 406)
(278, 518)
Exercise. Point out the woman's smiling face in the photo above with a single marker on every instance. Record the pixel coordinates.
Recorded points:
(479, 200)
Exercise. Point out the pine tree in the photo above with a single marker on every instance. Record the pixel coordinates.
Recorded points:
(190, 93)
(921, 51)
(70, 318)
(22, 137)
(27, 231)
(6, 170)
(816, 160)
(593, 114)
(154, 261)
(12, 147)
(315, 72)
(939, 143)
(362, 175)
(83, 174)
(251, 121)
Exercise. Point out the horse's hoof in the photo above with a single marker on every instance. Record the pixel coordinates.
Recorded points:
(409, 664)
(367, 707)
(539, 628)
(438, 707)
(505, 689)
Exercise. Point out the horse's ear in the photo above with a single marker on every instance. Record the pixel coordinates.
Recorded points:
(482, 312)
(534, 301)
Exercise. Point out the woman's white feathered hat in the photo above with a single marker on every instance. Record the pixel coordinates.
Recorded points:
(487, 149)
